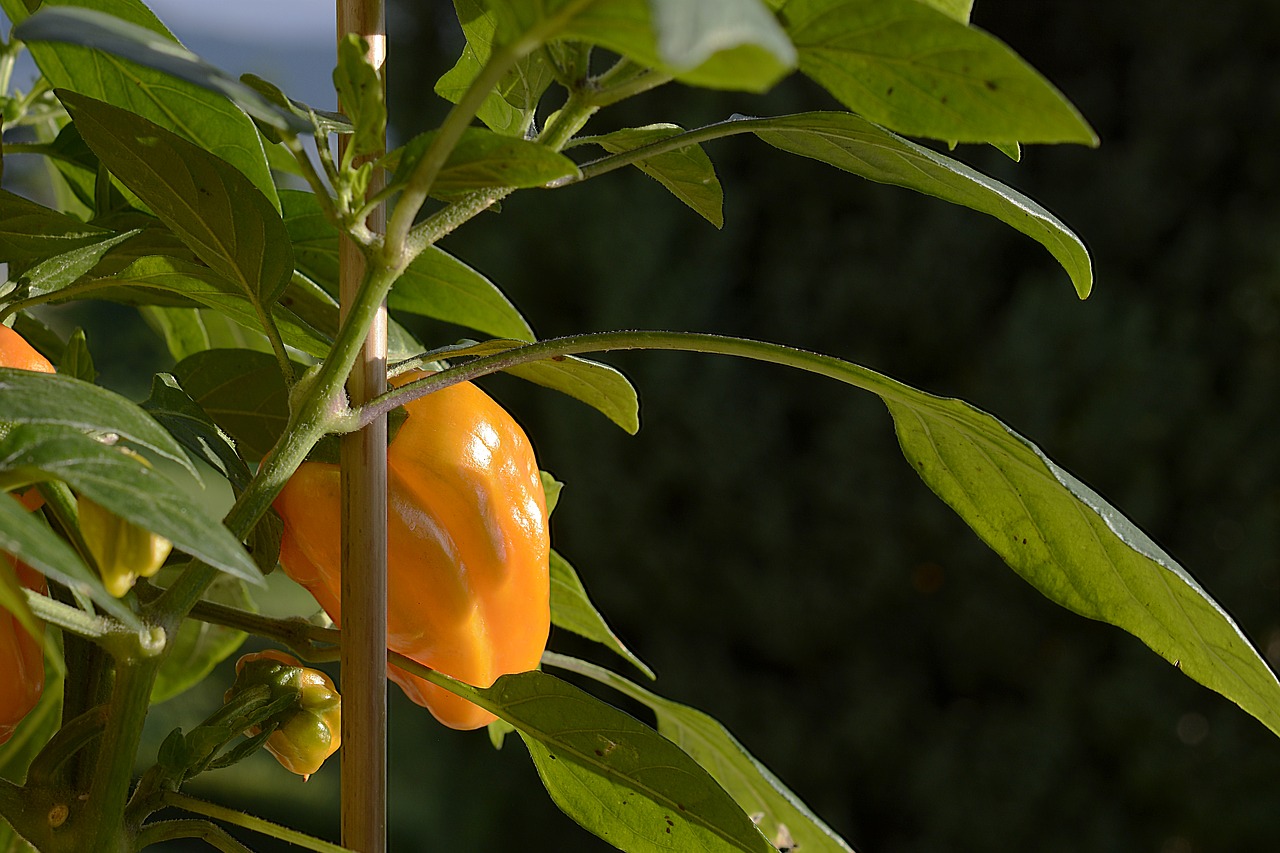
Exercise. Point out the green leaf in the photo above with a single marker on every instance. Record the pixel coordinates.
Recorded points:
(572, 610)
(690, 34)
(53, 399)
(482, 159)
(200, 646)
(598, 385)
(958, 9)
(243, 392)
(152, 49)
(209, 204)
(205, 118)
(53, 274)
(917, 70)
(27, 537)
(360, 92)
(76, 360)
(201, 284)
(127, 486)
(182, 416)
(612, 774)
(1057, 533)
(31, 232)
(752, 785)
(510, 108)
(435, 285)
(855, 145)
(551, 488)
(687, 172)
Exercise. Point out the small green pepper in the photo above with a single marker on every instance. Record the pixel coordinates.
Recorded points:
(307, 733)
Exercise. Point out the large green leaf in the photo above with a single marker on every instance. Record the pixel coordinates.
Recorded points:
(126, 485)
(203, 117)
(598, 385)
(687, 172)
(152, 49)
(865, 149)
(920, 71)
(49, 398)
(435, 285)
(755, 788)
(572, 610)
(242, 391)
(611, 773)
(209, 204)
(31, 232)
(27, 537)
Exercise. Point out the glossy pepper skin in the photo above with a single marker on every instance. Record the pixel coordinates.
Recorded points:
(21, 658)
(467, 571)
(123, 551)
(306, 735)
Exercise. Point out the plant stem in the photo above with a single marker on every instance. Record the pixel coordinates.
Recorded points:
(246, 821)
(168, 830)
(109, 789)
(821, 365)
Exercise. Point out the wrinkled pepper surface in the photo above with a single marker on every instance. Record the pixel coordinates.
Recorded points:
(467, 568)
(21, 658)
(307, 734)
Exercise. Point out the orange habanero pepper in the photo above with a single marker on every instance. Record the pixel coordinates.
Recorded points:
(467, 568)
(21, 658)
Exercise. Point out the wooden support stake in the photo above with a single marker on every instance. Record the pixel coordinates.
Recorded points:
(364, 534)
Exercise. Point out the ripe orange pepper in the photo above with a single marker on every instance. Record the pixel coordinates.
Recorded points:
(21, 658)
(467, 568)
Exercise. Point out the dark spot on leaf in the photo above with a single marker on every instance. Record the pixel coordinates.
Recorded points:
(601, 753)
(888, 92)
(944, 99)
(680, 806)
(1024, 540)
(668, 830)
(557, 358)
(991, 84)
(552, 757)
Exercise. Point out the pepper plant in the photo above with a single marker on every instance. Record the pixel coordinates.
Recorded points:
(216, 205)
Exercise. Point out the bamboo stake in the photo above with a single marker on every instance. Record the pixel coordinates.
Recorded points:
(364, 534)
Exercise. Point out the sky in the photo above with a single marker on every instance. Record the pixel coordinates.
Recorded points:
(289, 42)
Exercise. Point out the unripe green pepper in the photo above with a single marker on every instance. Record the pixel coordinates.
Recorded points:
(307, 733)
(123, 551)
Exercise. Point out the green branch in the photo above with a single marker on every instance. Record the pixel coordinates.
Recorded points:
(246, 821)
(812, 362)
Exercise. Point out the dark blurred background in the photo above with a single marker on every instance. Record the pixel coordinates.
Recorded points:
(764, 547)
